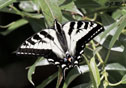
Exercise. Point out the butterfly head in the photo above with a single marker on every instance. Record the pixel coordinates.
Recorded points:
(70, 61)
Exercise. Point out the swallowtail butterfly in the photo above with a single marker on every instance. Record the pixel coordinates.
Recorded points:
(62, 45)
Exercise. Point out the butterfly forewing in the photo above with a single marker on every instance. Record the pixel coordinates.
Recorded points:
(44, 44)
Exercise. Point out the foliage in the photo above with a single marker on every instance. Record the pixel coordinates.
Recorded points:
(103, 57)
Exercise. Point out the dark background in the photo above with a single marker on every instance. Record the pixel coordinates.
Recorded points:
(13, 72)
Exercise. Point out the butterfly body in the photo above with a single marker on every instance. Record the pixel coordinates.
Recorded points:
(62, 45)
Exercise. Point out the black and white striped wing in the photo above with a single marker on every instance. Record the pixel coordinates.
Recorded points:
(44, 44)
(54, 43)
(78, 33)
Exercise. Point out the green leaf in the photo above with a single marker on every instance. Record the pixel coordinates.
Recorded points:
(115, 67)
(47, 81)
(113, 29)
(67, 17)
(37, 24)
(28, 6)
(122, 40)
(86, 4)
(36, 2)
(106, 19)
(51, 11)
(31, 70)
(14, 25)
(4, 3)
(42, 62)
(83, 69)
(6, 10)
(101, 2)
(70, 77)
(109, 28)
(68, 5)
(74, 73)
(60, 78)
(123, 81)
(26, 14)
(95, 72)
(118, 47)
(33, 15)
(17, 24)
(121, 26)
(108, 23)
(117, 14)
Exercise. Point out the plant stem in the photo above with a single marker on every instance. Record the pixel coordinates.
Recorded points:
(91, 73)
(18, 12)
(115, 84)
(106, 79)
(98, 55)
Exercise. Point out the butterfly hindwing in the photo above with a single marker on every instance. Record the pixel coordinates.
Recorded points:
(79, 33)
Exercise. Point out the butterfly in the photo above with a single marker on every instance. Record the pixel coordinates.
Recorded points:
(63, 44)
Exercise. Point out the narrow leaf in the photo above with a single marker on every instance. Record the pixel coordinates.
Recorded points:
(68, 5)
(6, 10)
(14, 25)
(28, 6)
(60, 77)
(74, 73)
(17, 24)
(42, 62)
(4, 3)
(95, 72)
(31, 70)
(107, 20)
(123, 81)
(37, 24)
(117, 14)
(115, 66)
(121, 26)
(50, 10)
(87, 4)
(108, 23)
